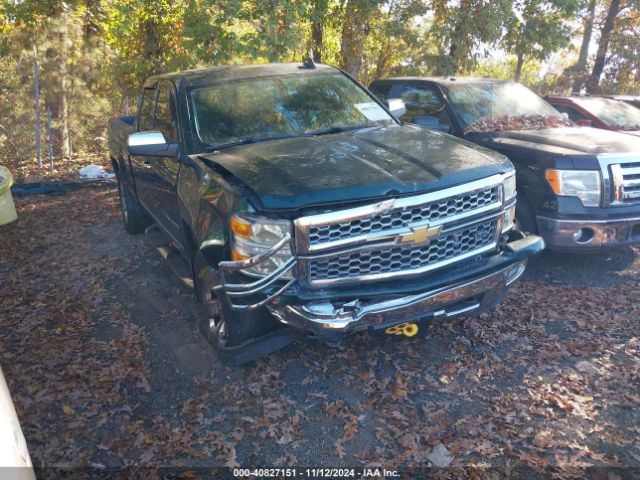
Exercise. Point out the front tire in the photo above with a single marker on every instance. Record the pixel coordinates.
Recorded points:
(134, 217)
(222, 326)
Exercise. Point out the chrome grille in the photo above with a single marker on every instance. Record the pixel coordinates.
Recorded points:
(400, 236)
(404, 217)
(452, 245)
(625, 183)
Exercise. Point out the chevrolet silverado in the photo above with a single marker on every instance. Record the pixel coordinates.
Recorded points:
(304, 208)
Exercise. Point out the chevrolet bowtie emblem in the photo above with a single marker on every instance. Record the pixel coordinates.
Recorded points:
(419, 235)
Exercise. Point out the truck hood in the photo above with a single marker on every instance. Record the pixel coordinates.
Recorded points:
(564, 140)
(355, 165)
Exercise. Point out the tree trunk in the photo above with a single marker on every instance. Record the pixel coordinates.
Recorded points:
(458, 41)
(382, 63)
(581, 65)
(317, 29)
(519, 66)
(64, 86)
(593, 82)
(355, 28)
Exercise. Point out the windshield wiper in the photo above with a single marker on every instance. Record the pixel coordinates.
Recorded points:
(329, 131)
(326, 131)
(247, 140)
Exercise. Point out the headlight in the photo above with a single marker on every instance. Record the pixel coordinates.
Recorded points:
(253, 236)
(576, 183)
(509, 185)
(509, 218)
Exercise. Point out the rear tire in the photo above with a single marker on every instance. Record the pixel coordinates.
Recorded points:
(134, 217)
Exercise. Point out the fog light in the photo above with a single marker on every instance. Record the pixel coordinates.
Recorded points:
(515, 272)
(583, 235)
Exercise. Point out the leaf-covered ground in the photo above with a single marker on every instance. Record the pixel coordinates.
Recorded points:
(107, 369)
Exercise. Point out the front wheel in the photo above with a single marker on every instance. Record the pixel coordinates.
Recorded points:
(222, 326)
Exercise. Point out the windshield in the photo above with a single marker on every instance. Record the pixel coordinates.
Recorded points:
(276, 107)
(618, 115)
(488, 107)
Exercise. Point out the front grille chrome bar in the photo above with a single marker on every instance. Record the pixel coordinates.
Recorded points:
(304, 225)
(618, 189)
(329, 276)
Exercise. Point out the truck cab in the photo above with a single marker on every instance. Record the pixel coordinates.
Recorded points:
(305, 209)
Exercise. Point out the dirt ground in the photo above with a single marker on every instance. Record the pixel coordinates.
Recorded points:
(108, 371)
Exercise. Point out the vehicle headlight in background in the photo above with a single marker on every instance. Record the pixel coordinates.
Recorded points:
(253, 236)
(584, 184)
(509, 185)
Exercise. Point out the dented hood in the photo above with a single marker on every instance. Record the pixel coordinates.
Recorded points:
(355, 165)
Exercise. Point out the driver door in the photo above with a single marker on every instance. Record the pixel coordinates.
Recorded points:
(158, 189)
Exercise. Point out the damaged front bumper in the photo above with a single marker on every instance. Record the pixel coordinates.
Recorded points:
(452, 301)
(325, 312)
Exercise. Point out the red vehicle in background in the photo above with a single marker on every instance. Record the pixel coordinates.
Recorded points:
(630, 99)
(599, 112)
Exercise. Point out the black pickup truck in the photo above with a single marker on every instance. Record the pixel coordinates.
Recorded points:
(578, 187)
(304, 208)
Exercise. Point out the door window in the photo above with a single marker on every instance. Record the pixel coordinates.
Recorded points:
(165, 114)
(572, 113)
(145, 122)
(381, 91)
(424, 107)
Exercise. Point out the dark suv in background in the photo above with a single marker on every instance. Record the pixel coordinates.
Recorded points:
(578, 187)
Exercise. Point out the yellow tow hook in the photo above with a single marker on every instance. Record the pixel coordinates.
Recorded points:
(407, 329)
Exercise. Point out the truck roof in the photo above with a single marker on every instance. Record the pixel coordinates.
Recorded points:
(224, 73)
(446, 81)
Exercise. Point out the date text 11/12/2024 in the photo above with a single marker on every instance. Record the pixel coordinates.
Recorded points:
(315, 473)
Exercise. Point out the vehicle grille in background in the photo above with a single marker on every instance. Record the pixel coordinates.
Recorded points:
(625, 183)
(439, 210)
(448, 246)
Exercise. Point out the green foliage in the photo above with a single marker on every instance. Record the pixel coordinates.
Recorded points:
(537, 28)
(504, 68)
(95, 53)
(622, 74)
(461, 29)
(144, 36)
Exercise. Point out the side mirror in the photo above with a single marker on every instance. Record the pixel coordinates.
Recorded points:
(151, 144)
(584, 122)
(396, 107)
